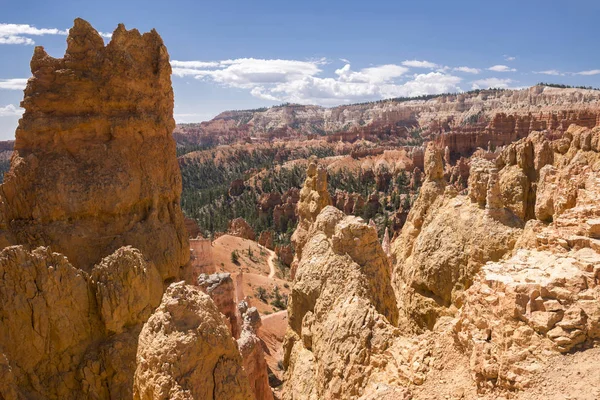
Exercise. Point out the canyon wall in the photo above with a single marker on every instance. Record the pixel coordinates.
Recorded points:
(488, 288)
(472, 119)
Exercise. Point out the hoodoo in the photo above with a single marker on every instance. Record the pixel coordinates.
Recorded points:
(94, 166)
(90, 215)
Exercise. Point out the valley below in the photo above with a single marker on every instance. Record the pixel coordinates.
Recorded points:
(439, 247)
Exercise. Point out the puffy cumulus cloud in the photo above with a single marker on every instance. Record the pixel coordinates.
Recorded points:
(301, 81)
(248, 72)
(19, 33)
(13, 84)
(501, 68)
(467, 70)
(10, 111)
(491, 83)
(419, 64)
(383, 73)
(330, 91)
(590, 72)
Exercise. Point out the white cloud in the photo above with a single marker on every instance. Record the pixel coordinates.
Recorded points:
(10, 111)
(419, 64)
(18, 33)
(330, 91)
(300, 81)
(549, 72)
(194, 64)
(248, 72)
(431, 83)
(491, 83)
(501, 68)
(590, 72)
(509, 58)
(11, 39)
(373, 75)
(468, 70)
(13, 84)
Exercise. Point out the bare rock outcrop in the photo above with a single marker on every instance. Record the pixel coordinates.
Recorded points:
(88, 159)
(253, 356)
(201, 258)
(192, 228)
(186, 351)
(546, 296)
(68, 334)
(313, 198)
(385, 243)
(240, 228)
(127, 289)
(341, 298)
(285, 254)
(94, 178)
(446, 239)
(221, 290)
(266, 239)
(480, 280)
(44, 299)
(349, 203)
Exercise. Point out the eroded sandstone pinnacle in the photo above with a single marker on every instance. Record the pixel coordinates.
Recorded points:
(90, 220)
(94, 166)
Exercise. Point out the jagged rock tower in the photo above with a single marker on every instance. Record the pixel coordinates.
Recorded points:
(94, 166)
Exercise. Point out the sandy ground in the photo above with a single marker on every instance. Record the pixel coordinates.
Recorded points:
(256, 268)
(573, 376)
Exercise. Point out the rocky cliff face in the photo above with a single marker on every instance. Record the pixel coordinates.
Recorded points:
(313, 198)
(342, 298)
(88, 158)
(445, 239)
(462, 121)
(491, 285)
(253, 356)
(187, 352)
(240, 228)
(68, 334)
(94, 179)
(546, 296)
(221, 290)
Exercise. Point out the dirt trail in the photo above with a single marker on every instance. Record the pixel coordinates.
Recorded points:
(270, 262)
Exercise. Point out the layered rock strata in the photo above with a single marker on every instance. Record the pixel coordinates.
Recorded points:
(91, 204)
(546, 296)
(94, 154)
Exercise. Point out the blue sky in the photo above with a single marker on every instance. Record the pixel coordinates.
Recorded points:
(247, 54)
